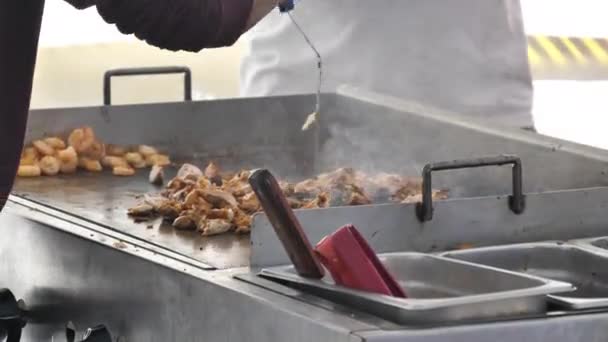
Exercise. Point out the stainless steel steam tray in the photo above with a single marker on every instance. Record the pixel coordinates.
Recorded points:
(439, 290)
(585, 269)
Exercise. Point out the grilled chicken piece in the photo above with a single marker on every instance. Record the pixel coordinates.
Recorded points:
(242, 221)
(157, 175)
(219, 198)
(249, 203)
(189, 171)
(212, 172)
(170, 209)
(322, 201)
(224, 214)
(142, 210)
(184, 223)
(214, 227)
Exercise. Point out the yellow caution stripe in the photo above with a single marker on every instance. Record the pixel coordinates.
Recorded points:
(566, 52)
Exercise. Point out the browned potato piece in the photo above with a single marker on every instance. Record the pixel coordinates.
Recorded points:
(146, 150)
(43, 148)
(29, 171)
(135, 159)
(82, 139)
(55, 142)
(29, 156)
(27, 161)
(96, 151)
(115, 150)
(114, 161)
(30, 152)
(50, 165)
(68, 155)
(124, 171)
(158, 159)
(69, 160)
(69, 166)
(90, 164)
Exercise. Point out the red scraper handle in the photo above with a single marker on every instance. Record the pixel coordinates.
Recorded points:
(353, 264)
(285, 224)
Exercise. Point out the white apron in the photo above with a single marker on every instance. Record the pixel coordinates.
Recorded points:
(466, 56)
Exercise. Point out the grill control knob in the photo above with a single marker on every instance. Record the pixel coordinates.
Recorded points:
(11, 317)
(96, 334)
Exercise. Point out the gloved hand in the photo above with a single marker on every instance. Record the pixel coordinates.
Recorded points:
(189, 25)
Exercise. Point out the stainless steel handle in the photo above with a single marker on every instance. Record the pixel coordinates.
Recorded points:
(107, 79)
(424, 210)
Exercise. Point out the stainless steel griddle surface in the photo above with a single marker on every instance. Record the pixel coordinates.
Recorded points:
(104, 199)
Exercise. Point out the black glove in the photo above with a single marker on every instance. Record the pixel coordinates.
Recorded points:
(190, 25)
(82, 4)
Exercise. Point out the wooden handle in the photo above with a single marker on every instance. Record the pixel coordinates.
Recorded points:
(285, 224)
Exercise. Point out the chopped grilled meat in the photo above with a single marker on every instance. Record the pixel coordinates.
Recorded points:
(322, 201)
(189, 171)
(212, 172)
(215, 227)
(141, 210)
(249, 203)
(219, 198)
(199, 200)
(184, 223)
(157, 175)
(170, 209)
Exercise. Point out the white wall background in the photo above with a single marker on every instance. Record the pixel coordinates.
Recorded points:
(77, 47)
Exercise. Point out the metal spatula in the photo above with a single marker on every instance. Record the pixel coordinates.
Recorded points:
(285, 224)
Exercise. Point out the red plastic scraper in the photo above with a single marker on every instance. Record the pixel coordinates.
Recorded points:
(353, 264)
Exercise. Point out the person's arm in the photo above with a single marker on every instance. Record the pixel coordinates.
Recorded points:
(190, 25)
(19, 31)
(260, 9)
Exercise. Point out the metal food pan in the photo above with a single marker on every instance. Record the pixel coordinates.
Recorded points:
(586, 270)
(440, 290)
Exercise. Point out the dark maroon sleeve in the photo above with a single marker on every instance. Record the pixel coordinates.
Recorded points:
(19, 31)
(190, 25)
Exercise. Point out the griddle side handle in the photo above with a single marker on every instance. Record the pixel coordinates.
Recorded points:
(424, 210)
(107, 79)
